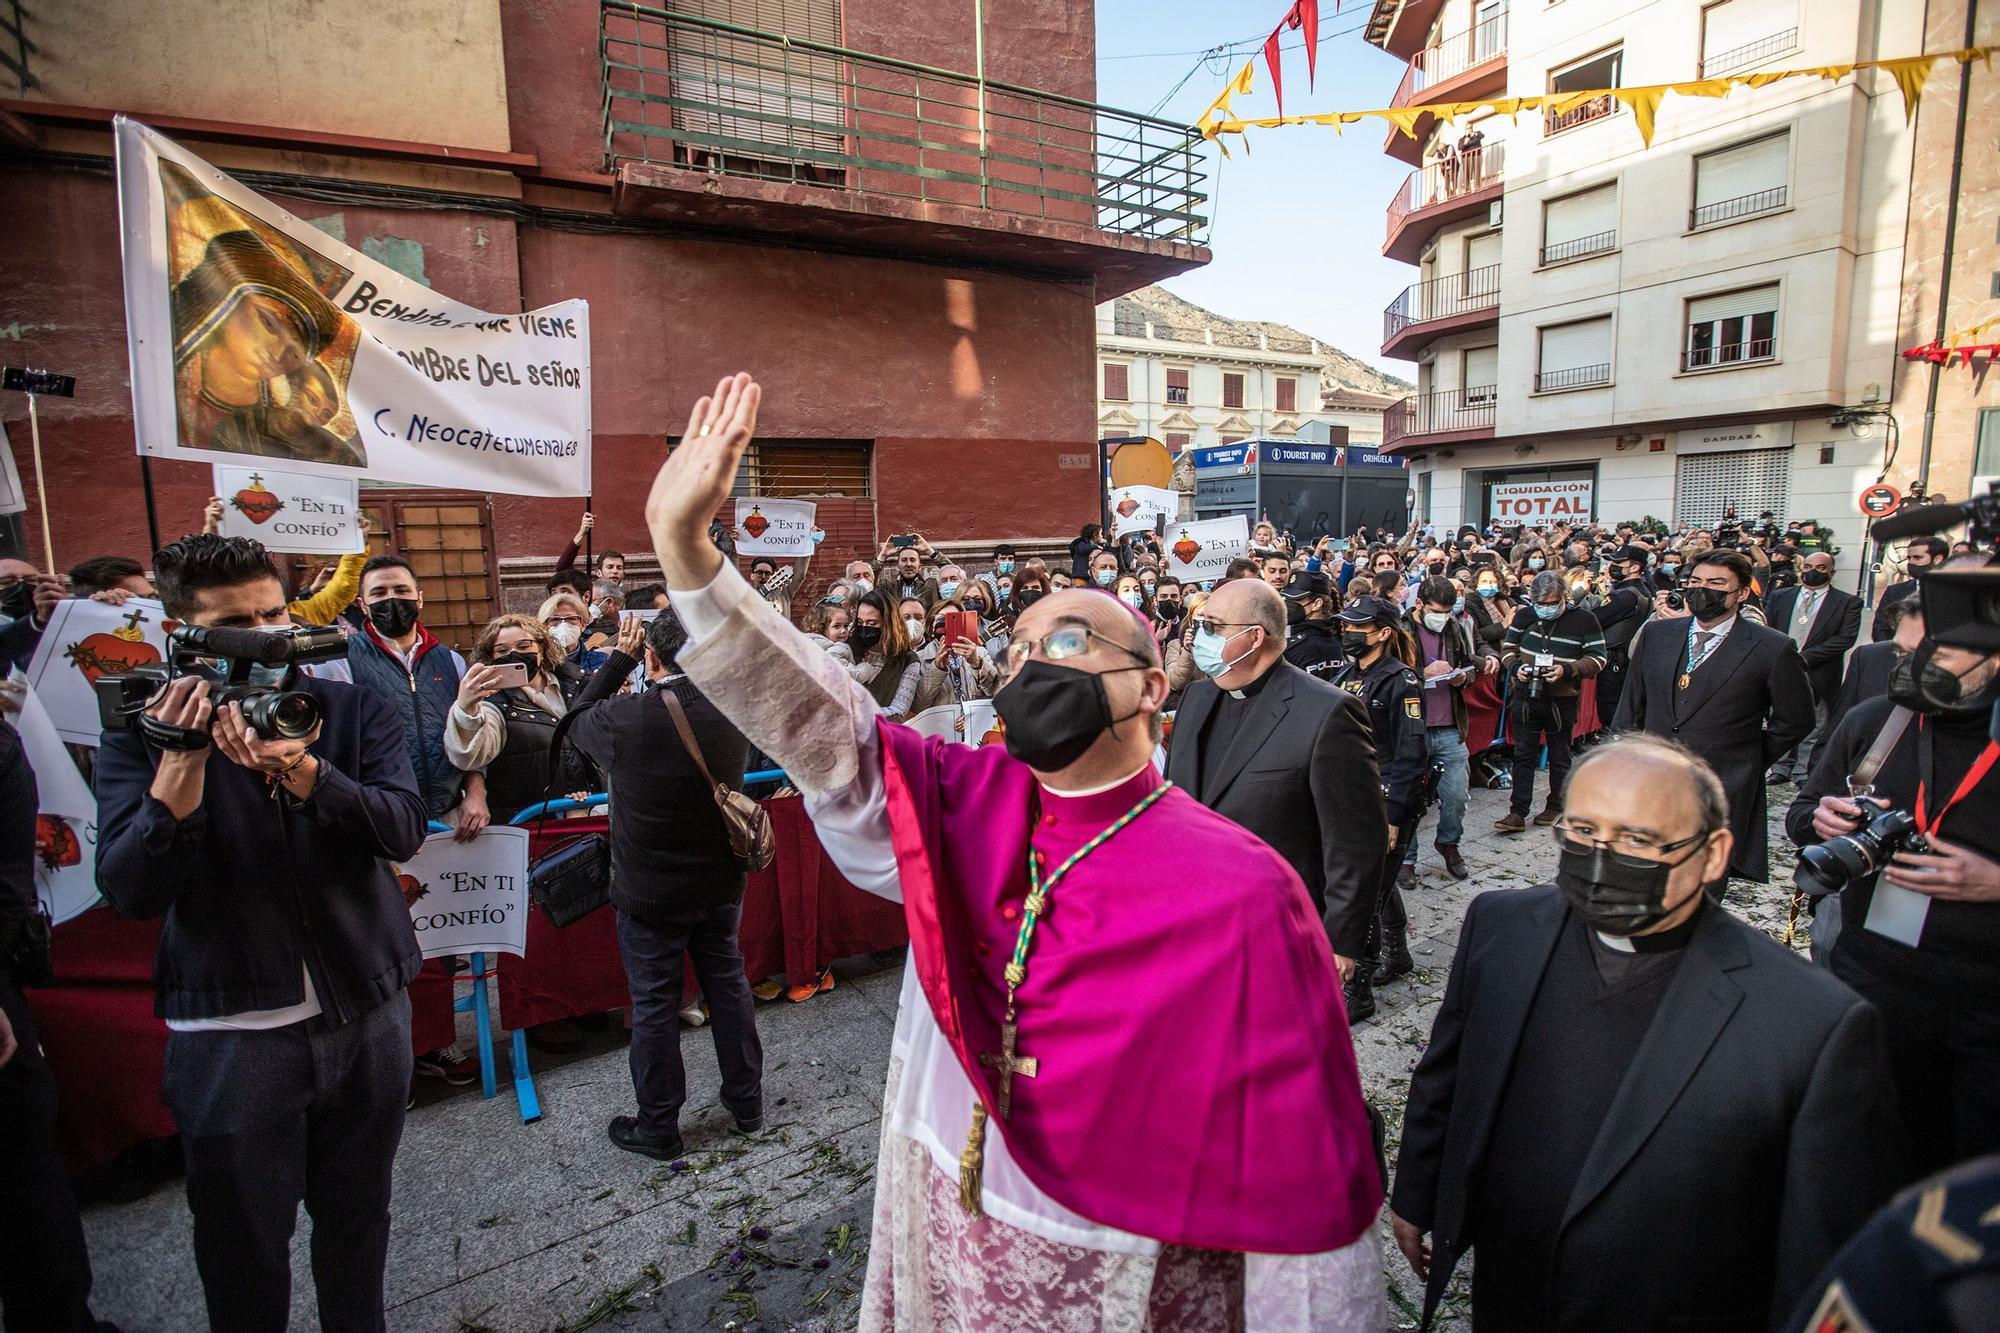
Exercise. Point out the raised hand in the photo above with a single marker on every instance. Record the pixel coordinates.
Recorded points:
(697, 478)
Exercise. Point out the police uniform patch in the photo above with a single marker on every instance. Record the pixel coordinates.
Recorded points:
(1412, 708)
(1836, 1314)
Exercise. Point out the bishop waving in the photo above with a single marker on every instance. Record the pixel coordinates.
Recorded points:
(1121, 1093)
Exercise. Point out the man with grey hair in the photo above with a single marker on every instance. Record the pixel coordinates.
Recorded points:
(1639, 1049)
(1551, 649)
(1285, 755)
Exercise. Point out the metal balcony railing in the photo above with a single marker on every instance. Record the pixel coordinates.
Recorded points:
(1563, 251)
(1443, 181)
(1434, 413)
(1441, 298)
(1597, 108)
(735, 101)
(1743, 206)
(1461, 51)
(1576, 377)
(1729, 354)
(1750, 53)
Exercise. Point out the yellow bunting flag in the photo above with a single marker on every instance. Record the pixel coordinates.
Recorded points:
(1909, 76)
(1645, 104)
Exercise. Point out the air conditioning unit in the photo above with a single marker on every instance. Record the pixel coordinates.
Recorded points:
(1426, 355)
(1494, 211)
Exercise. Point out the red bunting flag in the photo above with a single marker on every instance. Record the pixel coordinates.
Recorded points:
(1271, 54)
(1303, 14)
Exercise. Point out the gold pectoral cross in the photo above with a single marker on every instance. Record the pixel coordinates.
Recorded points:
(1009, 1063)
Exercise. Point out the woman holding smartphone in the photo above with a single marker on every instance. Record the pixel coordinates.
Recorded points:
(517, 689)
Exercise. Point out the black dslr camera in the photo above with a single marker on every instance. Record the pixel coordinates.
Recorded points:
(1836, 863)
(240, 666)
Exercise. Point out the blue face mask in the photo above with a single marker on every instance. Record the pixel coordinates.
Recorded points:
(1208, 649)
(948, 588)
(1547, 612)
(1104, 578)
(1457, 604)
(1536, 562)
(1489, 590)
(1005, 566)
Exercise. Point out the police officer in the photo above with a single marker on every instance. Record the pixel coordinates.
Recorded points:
(1621, 613)
(1312, 635)
(1378, 670)
(1936, 981)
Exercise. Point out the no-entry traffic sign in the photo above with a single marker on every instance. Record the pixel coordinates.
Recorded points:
(1881, 500)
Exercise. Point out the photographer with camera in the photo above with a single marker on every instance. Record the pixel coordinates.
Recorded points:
(257, 809)
(1550, 650)
(1927, 821)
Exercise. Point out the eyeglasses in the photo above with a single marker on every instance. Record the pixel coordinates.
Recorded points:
(1203, 625)
(1064, 641)
(1636, 849)
(566, 618)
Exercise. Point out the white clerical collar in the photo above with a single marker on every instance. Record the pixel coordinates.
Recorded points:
(1236, 694)
(1093, 791)
(1617, 942)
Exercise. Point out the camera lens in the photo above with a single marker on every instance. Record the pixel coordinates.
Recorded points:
(286, 714)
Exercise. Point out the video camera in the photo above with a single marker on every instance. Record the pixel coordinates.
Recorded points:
(238, 664)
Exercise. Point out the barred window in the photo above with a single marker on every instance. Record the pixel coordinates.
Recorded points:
(807, 468)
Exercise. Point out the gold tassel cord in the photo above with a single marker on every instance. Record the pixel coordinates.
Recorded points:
(1908, 72)
(972, 1162)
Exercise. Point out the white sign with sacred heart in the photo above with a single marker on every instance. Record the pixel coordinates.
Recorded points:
(469, 897)
(84, 642)
(1138, 508)
(774, 527)
(291, 511)
(1199, 552)
(65, 818)
(980, 726)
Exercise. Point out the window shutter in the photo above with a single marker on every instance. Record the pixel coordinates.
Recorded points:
(721, 72)
(1482, 252)
(805, 467)
(1176, 441)
(1733, 305)
(1591, 213)
(1232, 390)
(1177, 379)
(1735, 24)
(1736, 173)
(1288, 395)
(1751, 479)
(1574, 346)
(1482, 368)
(1115, 383)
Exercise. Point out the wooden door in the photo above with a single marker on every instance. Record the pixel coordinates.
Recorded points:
(447, 536)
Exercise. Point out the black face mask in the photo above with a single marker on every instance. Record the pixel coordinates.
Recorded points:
(1922, 686)
(1167, 607)
(1815, 578)
(1054, 713)
(865, 637)
(1707, 603)
(1027, 597)
(1354, 642)
(393, 616)
(18, 600)
(1295, 611)
(1615, 894)
(531, 662)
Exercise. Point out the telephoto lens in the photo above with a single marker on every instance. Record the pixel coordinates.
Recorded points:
(1838, 862)
(280, 714)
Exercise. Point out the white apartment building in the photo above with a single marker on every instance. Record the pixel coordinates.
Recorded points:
(1675, 324)
(1195, 387)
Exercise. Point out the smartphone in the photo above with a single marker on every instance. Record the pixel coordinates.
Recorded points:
(513, 675)
(1483, 557)
(1338, 544)
(903, 542)
(960, 625)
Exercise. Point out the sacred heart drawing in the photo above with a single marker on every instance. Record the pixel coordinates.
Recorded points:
(257, 502)
(1186, 549)
(756, 525)
(56, 843)
(1127, 507)
(413, 889)
(995, 735)
(111, 654)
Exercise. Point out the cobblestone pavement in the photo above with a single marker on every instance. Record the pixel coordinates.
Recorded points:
(505, 1227)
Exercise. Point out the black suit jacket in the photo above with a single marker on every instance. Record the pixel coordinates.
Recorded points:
(1835, 630)
(1755, 1130)
(1895, 592)
(1300, 773)
(1749, 703)
(1867, 678)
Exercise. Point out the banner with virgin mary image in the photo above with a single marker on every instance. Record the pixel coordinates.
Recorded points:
(256, 336)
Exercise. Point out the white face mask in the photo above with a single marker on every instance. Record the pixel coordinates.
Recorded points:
(1134, 599)
(596, 610)
(1435, 621)
(915, 625)
(862, 585)
(565, 635)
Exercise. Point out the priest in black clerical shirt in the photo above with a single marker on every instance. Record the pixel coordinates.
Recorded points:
(1635, 1110)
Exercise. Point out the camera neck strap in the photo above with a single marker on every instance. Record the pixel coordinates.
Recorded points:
(1926, 761)
(1862, 779)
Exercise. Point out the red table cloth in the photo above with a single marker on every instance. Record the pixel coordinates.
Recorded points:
(1485, 712)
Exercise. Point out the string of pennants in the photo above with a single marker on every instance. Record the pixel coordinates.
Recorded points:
(1909, 73)
(1963, 345)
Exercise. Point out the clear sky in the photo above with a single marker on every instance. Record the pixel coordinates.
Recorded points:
(1299, 220)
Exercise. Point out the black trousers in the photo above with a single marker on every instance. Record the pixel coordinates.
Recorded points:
(310, 1114)
(1534, 727)
(653, 954)
(44, 1266)
(1390, 912)
(1941, 1015)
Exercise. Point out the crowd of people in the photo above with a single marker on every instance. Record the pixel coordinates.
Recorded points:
(1625, 1084)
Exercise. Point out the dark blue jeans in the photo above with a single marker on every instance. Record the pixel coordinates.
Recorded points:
(653, 954)
(308, 1113)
